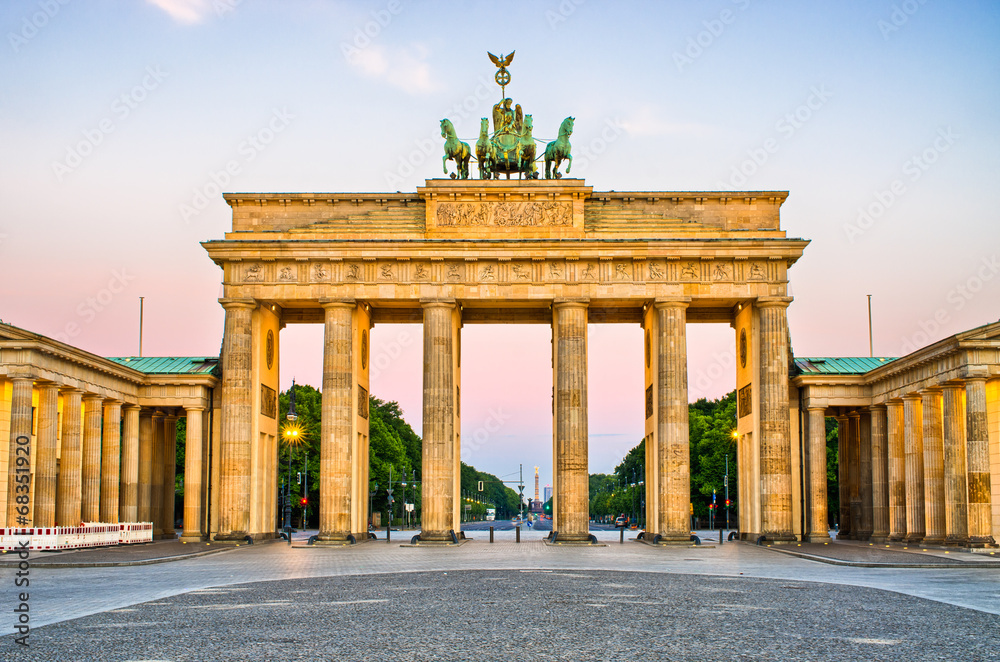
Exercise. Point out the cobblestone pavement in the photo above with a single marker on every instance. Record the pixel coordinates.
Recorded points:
(60, 594)
(538, 615)
(153, 552)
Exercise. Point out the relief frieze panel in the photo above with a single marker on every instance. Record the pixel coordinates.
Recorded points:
(504, 214)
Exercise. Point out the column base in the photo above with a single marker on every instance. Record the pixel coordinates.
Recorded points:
(864, 535)
(779, 538)
(192, 536)
(956, 541)
(938, 540)
(235, 537)
(895, 537)
(817, 538)
(913, 538)
(844, 535)
(879, 538)
(982, 541)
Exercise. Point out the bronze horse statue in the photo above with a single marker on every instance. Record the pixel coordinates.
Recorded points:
(455, 149)
(559, 149)
(526, 151)
(486, 153)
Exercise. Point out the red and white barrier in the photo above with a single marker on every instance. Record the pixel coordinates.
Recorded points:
(94, 534)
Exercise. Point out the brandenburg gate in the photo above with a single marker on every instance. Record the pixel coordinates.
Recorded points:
(522, 251)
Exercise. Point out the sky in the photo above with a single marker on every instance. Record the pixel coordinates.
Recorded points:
(879, 117)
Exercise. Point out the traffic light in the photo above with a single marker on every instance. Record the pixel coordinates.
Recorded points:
(480, 486)
(727, 503)
(304, 501)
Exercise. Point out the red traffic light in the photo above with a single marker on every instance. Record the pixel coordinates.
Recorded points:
(727, 503)
(303, 501)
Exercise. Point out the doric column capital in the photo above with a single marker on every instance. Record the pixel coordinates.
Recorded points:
(819, 408)
(327, 304)
(773, 302)
(676, 302)
(913, 397)
(854, 414)
(571, 303)
(231, 304)
(130, 406)
(90, 397)
(878, 406)
(438, 303)
(189, 408)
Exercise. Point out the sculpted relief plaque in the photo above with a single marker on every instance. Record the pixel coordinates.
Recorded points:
(504, 214)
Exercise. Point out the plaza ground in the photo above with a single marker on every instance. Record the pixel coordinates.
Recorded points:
(512, 600)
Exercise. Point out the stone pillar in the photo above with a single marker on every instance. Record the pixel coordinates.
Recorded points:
(169, 474)
(571, 508)
(111, 461)
(843, 478)
(438, 497)
(338, 412)
(934, 516)
(235, 441)
(865, 487)
(48, 447)
(68, 487)
(956, 522)
(978, 457)
(897, 471)
(144, 484)
(775, 448)
(819, 523)
(854, 473)
(128, 492)
(156, 477)
(880, 473)
(192, 475)
(672, 440)
(913, 428)
(19, 474)
(93, 411)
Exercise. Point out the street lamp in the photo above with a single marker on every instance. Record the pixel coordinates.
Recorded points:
(293, 435)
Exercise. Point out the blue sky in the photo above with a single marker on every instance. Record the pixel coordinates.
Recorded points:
(880, 118)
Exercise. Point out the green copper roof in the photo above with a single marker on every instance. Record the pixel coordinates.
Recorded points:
(169, 365)
(841, 365)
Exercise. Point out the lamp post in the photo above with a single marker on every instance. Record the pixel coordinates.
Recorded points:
(371, 497)
(292, 433)
(413, 481)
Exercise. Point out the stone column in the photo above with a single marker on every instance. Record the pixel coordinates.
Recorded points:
(934, 516)
(571, 512)
(672, 440)
(897, 471)
(854, 473)
(93, 411)
(956, 522)
(192, 475)
(169, 474)
(156, 477)
(237, 416)
(913, 427)
(843, 477)
(19, 475)
(111, 461)
(819, 524)
(775, 449)
(978, 456)
(68, 487)
(880, 473)
(865, 487)
(48, 447)
(338, 410)
(144, 484)
(438, 497)
(128, 492)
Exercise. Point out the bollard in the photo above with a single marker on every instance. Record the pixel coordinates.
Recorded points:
(387, 533)
(720, 536)
(491, 534)
(621, 538)
(518, 534)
